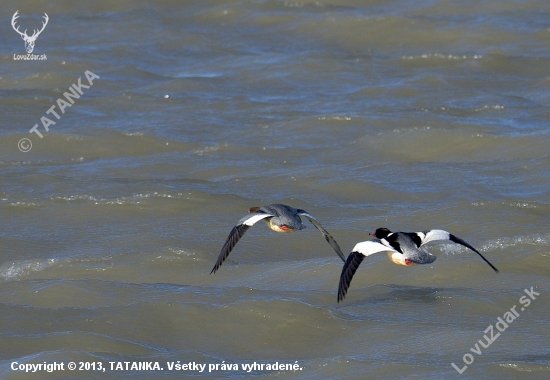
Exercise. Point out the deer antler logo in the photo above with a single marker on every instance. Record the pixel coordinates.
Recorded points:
(29, 40)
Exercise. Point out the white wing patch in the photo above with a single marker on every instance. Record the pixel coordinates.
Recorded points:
(255, 218)
(306, 214)
(434, 235)
(370, 247)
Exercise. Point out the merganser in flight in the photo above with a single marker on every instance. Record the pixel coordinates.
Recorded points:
(403, 248)
(278, 217)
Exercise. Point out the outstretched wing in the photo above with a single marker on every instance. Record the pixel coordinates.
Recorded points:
(236, 233)
(328, 237)
(432, 235)
(360, 251)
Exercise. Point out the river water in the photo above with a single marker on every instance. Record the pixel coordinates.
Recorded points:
(409, 115)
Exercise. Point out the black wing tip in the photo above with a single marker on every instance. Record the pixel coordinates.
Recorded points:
(341, 255)
(217, 265)
(328, 237)
(342, 291)
(467, 245)
(236, 233)
(330, 240)
(336, 247)
(334, 244)
(219, 262)
(350, 266)
(488, 262)
(491, 265)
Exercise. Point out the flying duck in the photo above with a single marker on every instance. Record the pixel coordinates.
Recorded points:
(403, 248)
(278, 217)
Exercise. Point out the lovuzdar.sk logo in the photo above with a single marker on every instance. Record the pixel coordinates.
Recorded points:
(29, 40)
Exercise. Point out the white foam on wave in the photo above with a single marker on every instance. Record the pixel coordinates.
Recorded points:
(441, 56)
(24, 204)
(527, 367)
(208, 149)
(335, 117)
(131, 199)
(70, 198)
(501, 243)
(511, 204)
(505, 242)
(489, 107)
(18, 269)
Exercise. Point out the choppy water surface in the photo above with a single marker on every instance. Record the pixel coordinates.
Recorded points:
(409, 115)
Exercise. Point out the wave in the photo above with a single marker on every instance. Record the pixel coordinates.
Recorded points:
(18, 269)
